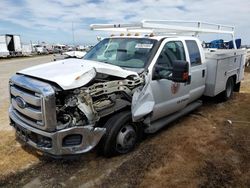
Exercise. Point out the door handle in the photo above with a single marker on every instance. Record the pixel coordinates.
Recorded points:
(203, 73)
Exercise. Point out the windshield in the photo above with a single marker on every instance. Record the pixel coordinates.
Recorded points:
(123, 52)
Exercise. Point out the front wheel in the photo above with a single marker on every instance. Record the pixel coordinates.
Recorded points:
(227, 94)
(121, 135)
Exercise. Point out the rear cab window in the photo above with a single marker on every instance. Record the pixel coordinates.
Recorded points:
(194, 52)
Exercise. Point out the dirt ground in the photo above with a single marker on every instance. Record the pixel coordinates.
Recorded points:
(199, 150)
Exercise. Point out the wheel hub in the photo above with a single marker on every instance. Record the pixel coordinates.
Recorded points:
(126, 139)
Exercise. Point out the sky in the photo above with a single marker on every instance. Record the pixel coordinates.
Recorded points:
(51, 20)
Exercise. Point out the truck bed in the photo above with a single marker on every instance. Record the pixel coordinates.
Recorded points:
(222, 64)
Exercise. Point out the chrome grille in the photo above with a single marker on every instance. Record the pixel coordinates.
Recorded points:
(38, 107)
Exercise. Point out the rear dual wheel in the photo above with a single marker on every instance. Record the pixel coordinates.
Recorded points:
(228, 92)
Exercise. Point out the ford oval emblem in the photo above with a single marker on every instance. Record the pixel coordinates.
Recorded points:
(20, 102)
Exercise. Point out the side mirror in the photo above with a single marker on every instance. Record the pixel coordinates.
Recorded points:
(180, 71)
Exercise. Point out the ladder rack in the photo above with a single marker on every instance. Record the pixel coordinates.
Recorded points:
(167, 27)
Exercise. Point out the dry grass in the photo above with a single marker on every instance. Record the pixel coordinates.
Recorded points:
(199, 150)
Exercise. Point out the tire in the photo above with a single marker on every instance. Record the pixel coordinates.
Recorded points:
(121, 135)
(227, 94)
(237, 87)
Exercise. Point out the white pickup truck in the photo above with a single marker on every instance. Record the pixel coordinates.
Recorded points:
(123, 87)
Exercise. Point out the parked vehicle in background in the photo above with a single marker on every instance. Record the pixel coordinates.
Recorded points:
(26, 49)
(4, 52)
(85, 48)
(70, 54)
(39, 49)
(13, 43)
(88, 47)
(48, 47)
(17, 45)
(123, 87)
(80, 48)
(60, 48)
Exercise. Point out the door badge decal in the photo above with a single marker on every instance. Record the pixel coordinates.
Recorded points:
(175, 87)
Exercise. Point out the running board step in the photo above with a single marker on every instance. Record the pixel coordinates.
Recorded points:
(157, 125)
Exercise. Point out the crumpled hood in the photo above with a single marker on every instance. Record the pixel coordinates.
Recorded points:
(74, 73)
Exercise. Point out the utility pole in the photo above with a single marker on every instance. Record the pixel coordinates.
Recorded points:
(73, 34)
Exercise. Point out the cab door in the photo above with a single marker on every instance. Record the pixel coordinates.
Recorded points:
(169, 96)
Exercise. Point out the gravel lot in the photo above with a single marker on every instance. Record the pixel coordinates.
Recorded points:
(199, 150)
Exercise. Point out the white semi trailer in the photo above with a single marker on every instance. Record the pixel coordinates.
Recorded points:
(123, 86)
(13, 44)
(4, 52)
(26, 49)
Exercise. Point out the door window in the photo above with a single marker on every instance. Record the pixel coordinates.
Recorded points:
(172, 51)
(194, 52)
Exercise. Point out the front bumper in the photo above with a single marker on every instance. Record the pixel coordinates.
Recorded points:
(56, 143)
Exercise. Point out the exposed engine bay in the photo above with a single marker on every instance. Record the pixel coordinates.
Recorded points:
(99, 98)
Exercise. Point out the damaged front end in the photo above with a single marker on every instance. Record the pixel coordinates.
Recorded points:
(66, 122)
